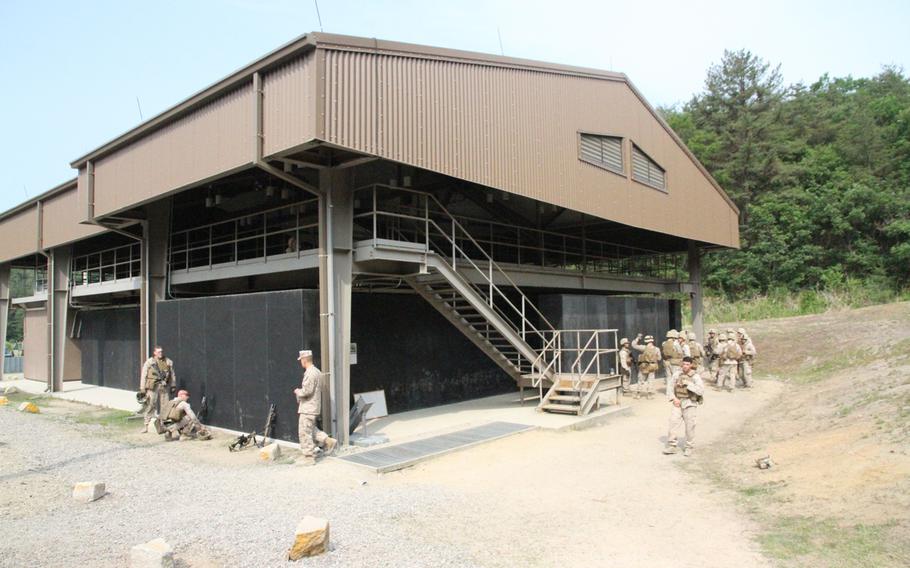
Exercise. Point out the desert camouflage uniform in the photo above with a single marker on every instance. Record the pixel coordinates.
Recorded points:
(156, 380)
(745, 364)
(648, 363)
(688, 388)
(730, 354)
(625, 365)
(309, 405)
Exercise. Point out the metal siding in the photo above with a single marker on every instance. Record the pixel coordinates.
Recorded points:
(212, 139)
(19, 234)
(34, 345)
(289, 110)
(61, 217)
(516, 130)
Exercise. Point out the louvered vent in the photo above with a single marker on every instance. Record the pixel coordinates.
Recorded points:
(646, 170)
(602, 151)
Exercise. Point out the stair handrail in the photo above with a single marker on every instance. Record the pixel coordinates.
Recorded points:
(486, 275)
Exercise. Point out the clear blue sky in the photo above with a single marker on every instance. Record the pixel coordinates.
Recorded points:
(72, 69)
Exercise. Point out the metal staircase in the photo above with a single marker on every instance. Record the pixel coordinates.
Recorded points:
(460, 279)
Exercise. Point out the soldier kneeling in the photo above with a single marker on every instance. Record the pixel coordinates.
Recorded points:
(178, 419)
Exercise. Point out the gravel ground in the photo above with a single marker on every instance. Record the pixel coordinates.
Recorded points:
(598, 497)
(214, 508)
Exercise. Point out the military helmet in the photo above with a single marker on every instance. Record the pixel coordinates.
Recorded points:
(649, 339)
(741, 331)
(729, 331)
(624, 341)
(691, 335)
(672, 334)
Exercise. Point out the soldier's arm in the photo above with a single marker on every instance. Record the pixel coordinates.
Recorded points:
(636, 346)
(143, 374)
(624, 362)
(671, 385)
(308, 387)
(189, 410)
(697, 385)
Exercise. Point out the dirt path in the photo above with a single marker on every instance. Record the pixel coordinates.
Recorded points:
(604, 496)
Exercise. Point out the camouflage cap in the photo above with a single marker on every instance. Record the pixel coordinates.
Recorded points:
(672, 334)
(729, 331)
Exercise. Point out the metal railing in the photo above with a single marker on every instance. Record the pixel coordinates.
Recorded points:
(512, 244)
(283, 231)
(109, 265)
(589, 346)
(440, 232)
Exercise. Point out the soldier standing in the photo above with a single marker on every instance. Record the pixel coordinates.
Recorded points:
(672, 356)
(625, 364)
(730, 356)
(685, 393)
(745, 364)
(309, 405)
(712, 353)
(648, 363)
(696, 351)
(157, 380)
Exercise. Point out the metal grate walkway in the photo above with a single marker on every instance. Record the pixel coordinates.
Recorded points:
(400, 456)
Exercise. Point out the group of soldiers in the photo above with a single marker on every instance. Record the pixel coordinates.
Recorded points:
(724, 359)
(175, 418)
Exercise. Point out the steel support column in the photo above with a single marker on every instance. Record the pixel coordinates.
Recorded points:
(155, 232)
(698, 322)
(339, 225)
(58, 313)
(4, 310)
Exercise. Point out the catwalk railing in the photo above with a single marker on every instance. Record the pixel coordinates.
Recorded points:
(108, 265)
(283, 231)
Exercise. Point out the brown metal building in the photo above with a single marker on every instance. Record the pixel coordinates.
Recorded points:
(339, 164)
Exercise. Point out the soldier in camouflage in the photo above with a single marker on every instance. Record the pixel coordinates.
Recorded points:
(648, 363)
(685, 392)
(157, 380)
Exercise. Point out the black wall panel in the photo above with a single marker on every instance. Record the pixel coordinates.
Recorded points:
(241, 353)
(417, 356)
(109, 341)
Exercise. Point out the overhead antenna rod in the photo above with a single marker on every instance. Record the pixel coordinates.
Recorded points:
(139, 106)
(501, 50)
(318, 17)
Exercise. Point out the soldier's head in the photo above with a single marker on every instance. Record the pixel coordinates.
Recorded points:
(183, 395)
(306, 358)
(741, 332)
(686, 364)
(649, 339)
(672, 334)
(624, 342)
(158, 352)
(691, 336)
(712, 332)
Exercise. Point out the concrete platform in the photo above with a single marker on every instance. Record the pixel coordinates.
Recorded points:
(76, 391)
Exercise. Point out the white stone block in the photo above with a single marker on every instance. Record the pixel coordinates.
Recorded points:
(270, 453)
(153, 554)
(88, 491)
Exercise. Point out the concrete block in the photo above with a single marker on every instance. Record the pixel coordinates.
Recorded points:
(28, 407)
(153, 554)
(10, 390)
(88, 491)
(311, 538)
(3, 401)
(270, 453)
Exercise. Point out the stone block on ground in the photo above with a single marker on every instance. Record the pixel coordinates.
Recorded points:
(10, 390)
(310, 539)
(3, 401)
(270, 453)
(88, 491)
(152, 554)
(28, 407)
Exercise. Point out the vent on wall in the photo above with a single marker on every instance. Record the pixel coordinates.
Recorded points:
(602, 151)
(646, 170)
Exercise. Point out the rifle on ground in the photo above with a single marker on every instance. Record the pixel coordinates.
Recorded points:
(242, 441)
(269, 425)
(203, 409)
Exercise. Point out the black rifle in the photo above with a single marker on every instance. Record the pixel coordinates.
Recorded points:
(203, 409)
(242, 441)
(269, 425)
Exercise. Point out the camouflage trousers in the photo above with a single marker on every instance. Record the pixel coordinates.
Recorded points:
(727, 374)
(745, 370)
(189, 428)
(157, 398)
(645, 384)
(310, 435)
(680, 415)
(626, 379)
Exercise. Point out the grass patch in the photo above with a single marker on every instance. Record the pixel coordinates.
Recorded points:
(40, 400)
(781, 303)
(808, 541)
(104, 417)
(844, 359)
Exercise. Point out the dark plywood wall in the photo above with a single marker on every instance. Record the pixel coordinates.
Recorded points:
(109, 343)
